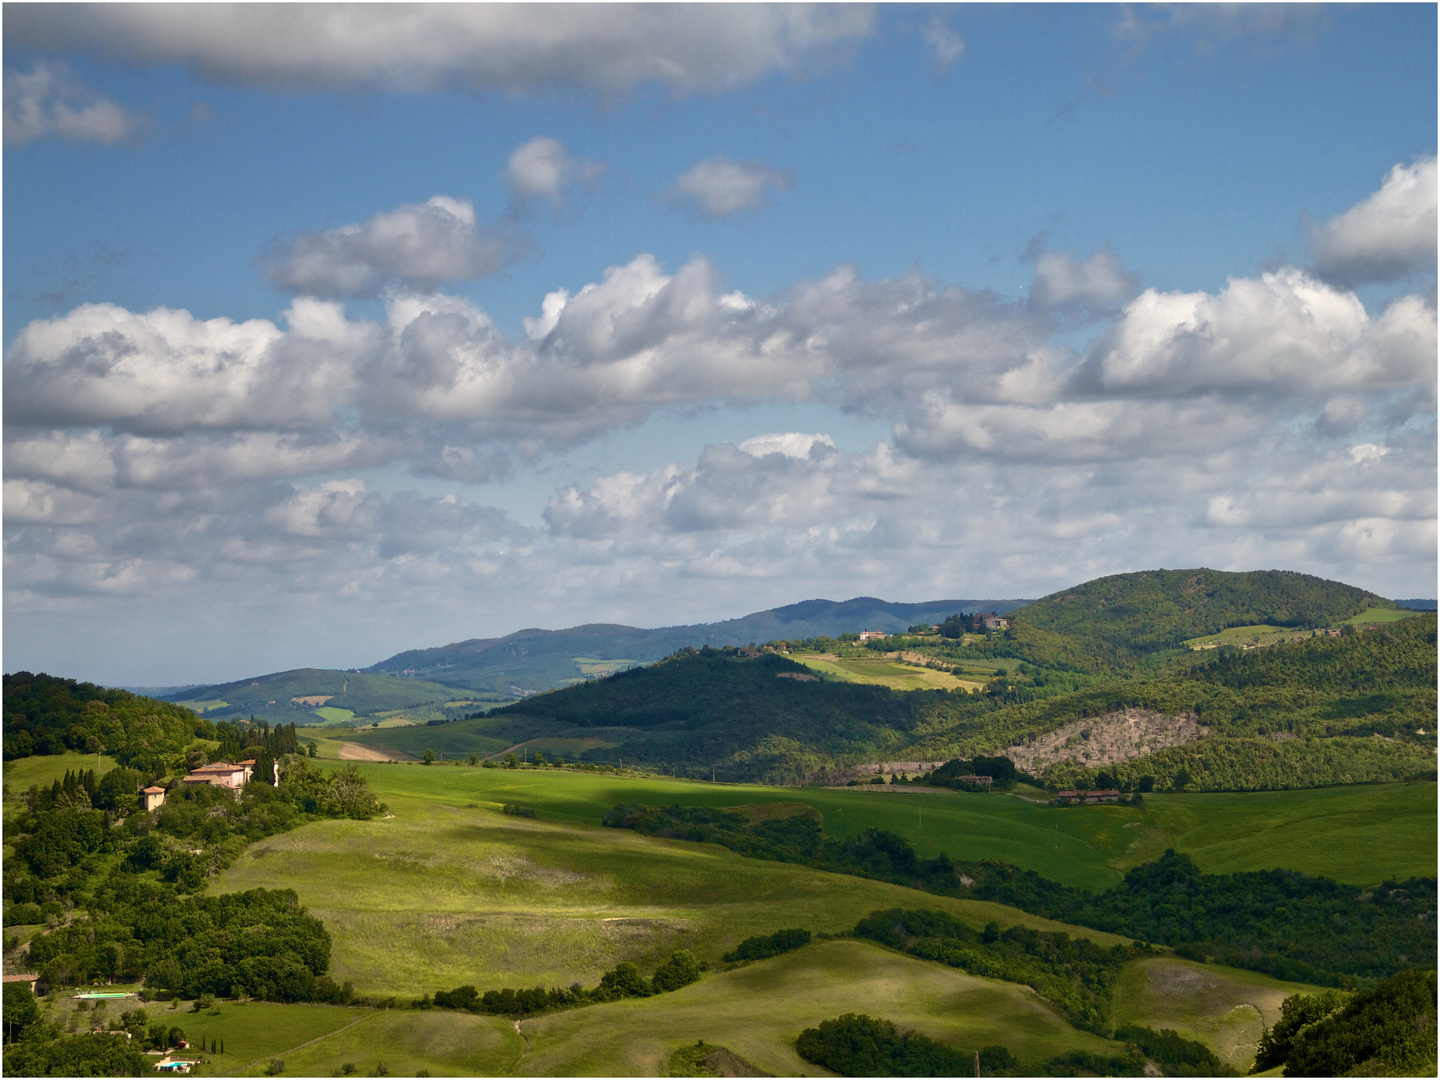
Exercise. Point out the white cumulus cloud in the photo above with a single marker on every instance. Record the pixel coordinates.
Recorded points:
(542, 169)
(719, 187)
(1063, 281)
(415, 245)
(1386, 236)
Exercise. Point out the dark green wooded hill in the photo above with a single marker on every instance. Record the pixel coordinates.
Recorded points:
(749, 715)
(48, 715)
(1120, 620)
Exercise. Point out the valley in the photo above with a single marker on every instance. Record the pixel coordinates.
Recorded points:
(724, 794)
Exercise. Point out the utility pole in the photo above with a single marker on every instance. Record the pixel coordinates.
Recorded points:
(977, 1062)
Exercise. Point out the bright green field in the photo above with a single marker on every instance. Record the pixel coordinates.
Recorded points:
(1241, 635)
(45, 769)
(758, 1011)
(333, 715)
(1360, 834)
(441, 895)
(879, 672)
(1371, 616)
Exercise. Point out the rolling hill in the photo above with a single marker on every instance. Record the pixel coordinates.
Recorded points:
(1125, 618)
(1069, 697)
(320, 695)
(532, 660)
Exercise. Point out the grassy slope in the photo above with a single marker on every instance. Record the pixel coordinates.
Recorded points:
(884, 672)
(445, 894)
(1224, 1008)
(1358, 834)
(440, 896)
(759, 1010)
(479, 897)
(45, 769)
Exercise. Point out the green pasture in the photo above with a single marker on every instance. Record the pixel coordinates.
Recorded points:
(756, 1010)
(333, 715)
(1372, 616)
(45, 769)
(460, 737)
(442, 894)
(1223, 1007)
(1360, 834)
(1242, 635)
(759, 1010)
(595, 666)
(254, 1032)
(563, 747)
(882, 672)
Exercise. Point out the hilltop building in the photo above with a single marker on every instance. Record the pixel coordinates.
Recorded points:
(221, 774)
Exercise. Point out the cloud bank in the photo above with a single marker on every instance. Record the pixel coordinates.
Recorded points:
(1273, 422)
(520, 48)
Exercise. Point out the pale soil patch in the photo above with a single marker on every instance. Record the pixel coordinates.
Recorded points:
(1105, 740)
(350, 751)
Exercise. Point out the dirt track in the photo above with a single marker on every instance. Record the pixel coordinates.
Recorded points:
(350, 751)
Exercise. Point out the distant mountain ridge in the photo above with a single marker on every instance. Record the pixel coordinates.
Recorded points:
(530, 660)
(490, 671)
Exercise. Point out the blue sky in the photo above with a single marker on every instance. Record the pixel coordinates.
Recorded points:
(908, 301)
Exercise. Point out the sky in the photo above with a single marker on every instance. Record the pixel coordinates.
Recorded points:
(332, 331)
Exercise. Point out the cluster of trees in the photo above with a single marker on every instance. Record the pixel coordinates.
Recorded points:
(260, 943)
(1287, 924)
(1000, 769)
(47, 715)
(1387, 1030)
(860, 1045)
(622, 981)
(61, 843)
(767, 945)
(1284, 923)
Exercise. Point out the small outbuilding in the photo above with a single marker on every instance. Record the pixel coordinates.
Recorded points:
(152, 797)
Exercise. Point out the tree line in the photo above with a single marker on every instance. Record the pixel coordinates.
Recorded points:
(1287, 924)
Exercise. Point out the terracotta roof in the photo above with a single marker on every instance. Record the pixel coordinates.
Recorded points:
(153, 790)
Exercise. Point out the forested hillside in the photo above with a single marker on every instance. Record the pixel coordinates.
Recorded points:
(1356, 707)
(1360, 706)
(1119, 621)
(759, 717)
(46, 715)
